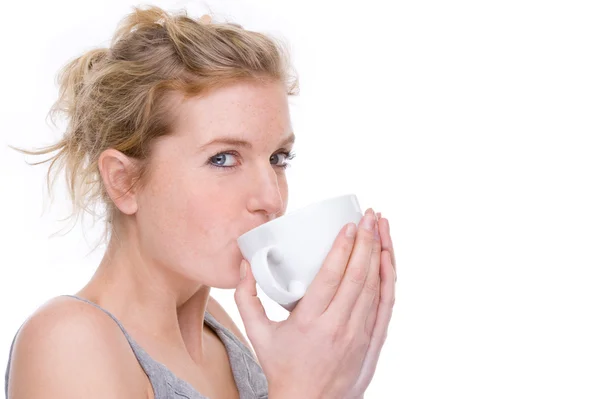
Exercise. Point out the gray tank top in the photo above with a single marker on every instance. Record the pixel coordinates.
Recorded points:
(249, 377)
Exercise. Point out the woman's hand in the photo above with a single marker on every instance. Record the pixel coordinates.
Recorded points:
(319, 351)
(381, 313)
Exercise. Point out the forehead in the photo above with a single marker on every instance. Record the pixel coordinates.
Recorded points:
(245, 109)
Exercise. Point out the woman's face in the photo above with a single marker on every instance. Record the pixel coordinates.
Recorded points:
(219, 174)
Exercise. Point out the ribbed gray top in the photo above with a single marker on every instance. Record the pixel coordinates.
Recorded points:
(249, 377)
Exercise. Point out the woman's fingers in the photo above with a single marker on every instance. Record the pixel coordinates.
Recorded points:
(321, 291)
(386, 239)
(356, 273)
(372, 317)
(251, 309)
(386, 301)
(377, 323)
(371, 289)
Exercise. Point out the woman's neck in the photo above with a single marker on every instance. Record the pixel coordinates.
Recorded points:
(147, 298)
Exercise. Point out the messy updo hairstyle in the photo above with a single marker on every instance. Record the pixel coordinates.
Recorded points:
(121, 97)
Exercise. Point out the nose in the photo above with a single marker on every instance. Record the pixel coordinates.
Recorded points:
(265, 195)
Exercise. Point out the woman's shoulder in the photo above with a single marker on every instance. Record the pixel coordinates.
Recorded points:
(66, 320)
(66, 344)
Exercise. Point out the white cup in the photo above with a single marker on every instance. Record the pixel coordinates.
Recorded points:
(286, 253)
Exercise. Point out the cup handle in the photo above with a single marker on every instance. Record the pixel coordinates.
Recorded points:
(267, 282)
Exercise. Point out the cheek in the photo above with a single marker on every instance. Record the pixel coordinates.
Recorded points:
(161, 219)
(283, 190)
(184, 211)
(190, 210)
(176, 224)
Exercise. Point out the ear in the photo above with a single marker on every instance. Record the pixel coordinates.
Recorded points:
(119, 174)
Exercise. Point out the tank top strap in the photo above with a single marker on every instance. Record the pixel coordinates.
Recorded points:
(155, 371)
(247, 372)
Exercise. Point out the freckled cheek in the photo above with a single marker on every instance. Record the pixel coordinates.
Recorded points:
(171, 193)
(202, 209)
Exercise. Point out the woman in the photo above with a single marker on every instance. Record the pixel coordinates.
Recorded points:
(182, 130)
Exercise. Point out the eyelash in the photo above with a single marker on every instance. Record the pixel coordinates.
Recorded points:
(289, 155)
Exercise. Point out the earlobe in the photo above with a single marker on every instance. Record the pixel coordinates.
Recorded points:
(119, 174)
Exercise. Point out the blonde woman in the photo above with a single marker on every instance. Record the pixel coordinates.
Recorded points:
(181, 129)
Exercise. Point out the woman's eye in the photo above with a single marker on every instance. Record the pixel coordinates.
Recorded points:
(224, 160)
(277, 159)
(229, 160)
(281, 159)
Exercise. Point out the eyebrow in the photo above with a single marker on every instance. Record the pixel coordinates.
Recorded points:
(243, 143)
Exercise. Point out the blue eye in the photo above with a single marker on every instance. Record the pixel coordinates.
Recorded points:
(277, 158)
(227, 160)
(283, 157)
(223, 160)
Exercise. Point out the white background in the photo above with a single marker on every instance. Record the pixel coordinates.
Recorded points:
(472, 125)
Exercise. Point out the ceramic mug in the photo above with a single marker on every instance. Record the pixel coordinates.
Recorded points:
(286, 253)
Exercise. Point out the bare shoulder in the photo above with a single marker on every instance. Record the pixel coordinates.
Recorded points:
(70, 349)
(217, 311)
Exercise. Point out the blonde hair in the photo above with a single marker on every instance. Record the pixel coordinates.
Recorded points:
(119, 97)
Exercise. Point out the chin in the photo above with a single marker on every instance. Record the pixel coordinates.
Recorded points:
(224, 273)
(227, 281)
(227, 276)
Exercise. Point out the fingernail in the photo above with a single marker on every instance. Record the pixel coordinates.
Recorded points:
(378, 215)
(243, 270)
(368, 222)
(370, 211)
(351, 230)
